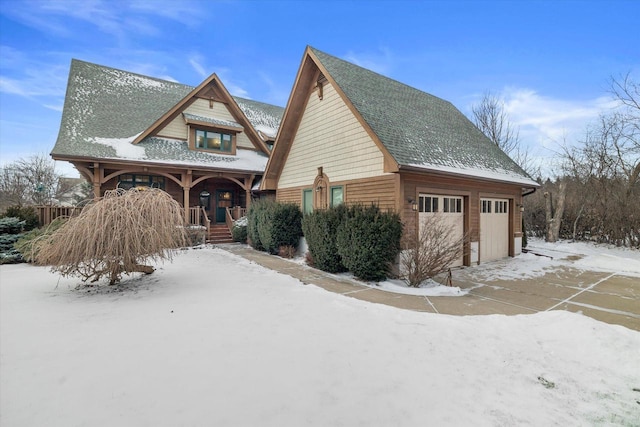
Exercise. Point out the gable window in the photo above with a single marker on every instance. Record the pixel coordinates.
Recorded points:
(212, 140)
(128, 181)
(337, 195)
(307, 201)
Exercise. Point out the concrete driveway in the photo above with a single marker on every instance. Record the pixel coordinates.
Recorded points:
(608, 297)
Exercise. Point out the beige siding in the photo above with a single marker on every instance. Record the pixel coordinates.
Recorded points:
(178, 129)
(329, 135)
(380, 191)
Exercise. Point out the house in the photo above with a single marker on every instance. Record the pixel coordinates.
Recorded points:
(349, 135)
(203, 146)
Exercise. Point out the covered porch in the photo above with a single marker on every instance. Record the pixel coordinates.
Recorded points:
(209, 197)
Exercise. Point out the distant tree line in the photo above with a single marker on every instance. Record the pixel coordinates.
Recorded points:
(595, 194)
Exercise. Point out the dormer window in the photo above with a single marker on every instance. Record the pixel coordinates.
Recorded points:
(212, 140)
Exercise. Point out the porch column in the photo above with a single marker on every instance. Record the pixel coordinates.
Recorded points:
(96, 180)
(247, 189)
(186, 187)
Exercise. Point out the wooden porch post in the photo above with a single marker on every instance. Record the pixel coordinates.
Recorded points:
(97, 178)
(247, 188)
(186, 187)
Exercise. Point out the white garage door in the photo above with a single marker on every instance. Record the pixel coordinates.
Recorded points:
(449, 208)
(494, 229)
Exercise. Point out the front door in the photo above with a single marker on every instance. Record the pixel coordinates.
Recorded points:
(224, 200)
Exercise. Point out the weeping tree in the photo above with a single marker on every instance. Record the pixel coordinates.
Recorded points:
(116, 235)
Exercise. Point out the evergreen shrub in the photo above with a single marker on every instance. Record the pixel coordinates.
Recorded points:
(27, 214)
(320, 229)
(273, 224)
(11, 225)
(368, 241)
(253, 213)
(239, 233)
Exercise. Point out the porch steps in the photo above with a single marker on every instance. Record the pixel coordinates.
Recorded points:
(220, 233)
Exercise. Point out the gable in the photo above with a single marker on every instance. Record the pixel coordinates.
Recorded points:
(202, 108)
(97, 123)
(420, 131)
(329, 135)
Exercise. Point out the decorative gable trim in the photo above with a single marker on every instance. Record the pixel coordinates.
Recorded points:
(310, 78)
(213, 90)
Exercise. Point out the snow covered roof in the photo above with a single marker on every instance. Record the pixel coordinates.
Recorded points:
(418, 129)
(106, 109)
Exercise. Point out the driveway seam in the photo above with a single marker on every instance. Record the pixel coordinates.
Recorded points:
(588, 288)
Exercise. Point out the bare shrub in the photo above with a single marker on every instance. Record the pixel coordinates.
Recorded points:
(431, 252)
(287, 251)
(116, 234)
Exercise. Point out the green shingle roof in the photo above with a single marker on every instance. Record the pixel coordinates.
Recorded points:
(418, 129)
(106, 108)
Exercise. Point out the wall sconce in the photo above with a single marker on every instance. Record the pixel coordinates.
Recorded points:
(414, 205)
(318, 188)
(521, 206)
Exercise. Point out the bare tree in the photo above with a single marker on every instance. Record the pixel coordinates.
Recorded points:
(116, 235)
(492, 120)
(490, 117)
(31, 181)
(604, 170)
(431, 252)
(554, 216)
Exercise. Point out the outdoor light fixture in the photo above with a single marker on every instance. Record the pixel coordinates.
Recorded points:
(414, 205)
(319, 188)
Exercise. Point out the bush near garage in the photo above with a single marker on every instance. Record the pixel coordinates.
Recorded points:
(320, 230)
(368, 241)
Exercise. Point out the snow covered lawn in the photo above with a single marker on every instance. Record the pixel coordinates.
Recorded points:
(213, 339)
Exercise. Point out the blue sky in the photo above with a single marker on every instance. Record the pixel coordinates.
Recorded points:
(550, 60)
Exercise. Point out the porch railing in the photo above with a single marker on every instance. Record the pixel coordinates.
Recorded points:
(46, 214)
(198, 216)
(234, 214)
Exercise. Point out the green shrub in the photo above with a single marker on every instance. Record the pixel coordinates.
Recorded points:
(320, 230)
(368, 241)
(279, 224)
(27, 214)
(273, 224)
(239, 233)
(29, 243)
(252, 224)
(11, 225)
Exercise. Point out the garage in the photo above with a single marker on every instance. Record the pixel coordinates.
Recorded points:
(494, 229)
(448, 207)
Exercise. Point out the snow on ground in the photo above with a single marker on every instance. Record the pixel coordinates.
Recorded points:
(579, 255)
(212, 339)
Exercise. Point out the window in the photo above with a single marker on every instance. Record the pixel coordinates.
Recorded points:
(307, 201)
(337, 196)
(211, 140)
(501, 207)
(128, 181)
(428, 204)
(486, 206)
(452, 205)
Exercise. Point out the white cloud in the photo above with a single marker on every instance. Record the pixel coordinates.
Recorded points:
(119, 19)
(547, 119)
(195, 61)
(380, 61)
